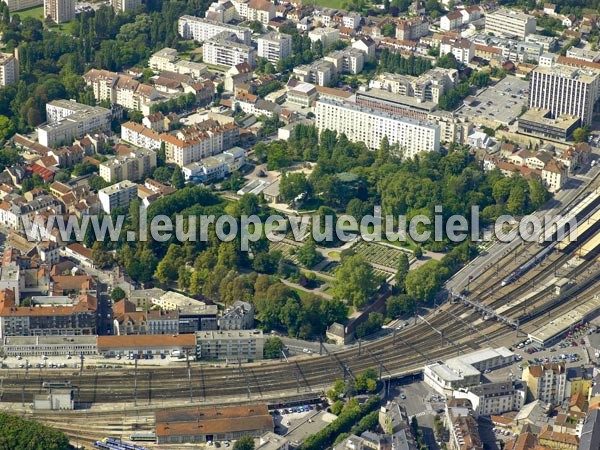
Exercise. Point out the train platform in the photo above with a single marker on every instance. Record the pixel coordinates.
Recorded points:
(558, 326)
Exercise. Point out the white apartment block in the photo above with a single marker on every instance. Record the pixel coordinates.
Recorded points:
(118, 195)
(59, 10)
(19, 5)
(135, 165)
(68, 120)
(167, 60)
(327, 36)
(274, 46)
(462, 49)
(223, 12)
(197, 142)
(565, 90)
(349, 60)
(369, 126)
(231, 346)
(9, 69)
(508, 22)
(140, 136)
(351, 20)
(494, 398)
(319, 72)
(451, 21)
(260, 10)
(125, 5)
(226, 50)
(199, 29)
(428, 87)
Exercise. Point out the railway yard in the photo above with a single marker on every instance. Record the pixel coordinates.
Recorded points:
(123, 400)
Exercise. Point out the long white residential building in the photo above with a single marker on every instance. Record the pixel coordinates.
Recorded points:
(137, 134)
(361, 124)
(508, 22)
(19, 5)
(9, 69)
(565, 90)
(199, 29)
(118, 195)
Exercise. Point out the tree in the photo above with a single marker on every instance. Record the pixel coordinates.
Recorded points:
(293, 185)
(403, 267)
(16, 433)
(581, 134)
(117, 294)
(370, 326)
(273, 348)
(308, 255)
(7, 127)
(101, 256)
(398, 305)
(355, 281)
(418, 252)
(244, 443)
(177, 180)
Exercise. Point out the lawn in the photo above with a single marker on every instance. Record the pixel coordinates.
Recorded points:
(36, 13)
(336, 4)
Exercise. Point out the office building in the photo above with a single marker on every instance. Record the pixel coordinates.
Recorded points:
(361, 124)
(135, 164)
(231, 346)
(125, 5)
(118, 195)
(200, 29)
(274, 46)
(540, 122)
(225, 49)
(9, 69)
(19, 5)
(199, 141)
(59, 10)
(546, 382)
(510, 23)
(565, 90)
(68, 120)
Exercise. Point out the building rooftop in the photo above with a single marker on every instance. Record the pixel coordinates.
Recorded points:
(121, 185)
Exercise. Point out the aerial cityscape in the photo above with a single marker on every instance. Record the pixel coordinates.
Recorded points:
(300, 224)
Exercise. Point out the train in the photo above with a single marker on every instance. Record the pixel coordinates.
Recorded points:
(530, 264)
(115, 444)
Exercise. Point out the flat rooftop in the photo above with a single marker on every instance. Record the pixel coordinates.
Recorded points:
(564, 322)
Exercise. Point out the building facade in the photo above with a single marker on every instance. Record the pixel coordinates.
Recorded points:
(200, 29)
(274, 46)
(232, 346)
(511, 23)
(225, 49)
(59, 10)
(119, 195)
(9, 69)
(135, 165)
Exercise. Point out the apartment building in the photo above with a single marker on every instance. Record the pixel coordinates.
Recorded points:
(494, 398)
(509, 22)
(137, 134)
(59, 10)
(9, 69)
(223, 12)
(327, 36)
(239, 316)
(135, 164)
(261, 11)
(118, 195)
(546, 382)
(319, 72)
(225, 49)
(127, 320)
(565, 90)
(231, 346)
(168, 60)
(411, 29)
(76, 318)
(555, 175)
(274, 46)
(19, 5)
(68, 120)
(349, 60)
(215, 167)
(428, 87)
(462, 49)
(351, 20)
(199, 29)
(199, 141)
(125, 5)
(361, 124)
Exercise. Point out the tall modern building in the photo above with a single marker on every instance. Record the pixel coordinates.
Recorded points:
(565, 90)
(366, 125)
(19, 5)
(125, 5)
(59, 10)
(9, 69)
(510, 23)
(274, 46)
(225, 49)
